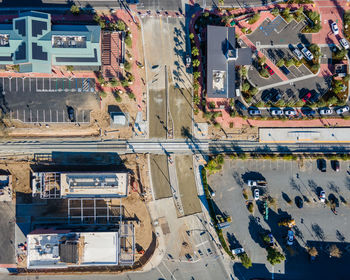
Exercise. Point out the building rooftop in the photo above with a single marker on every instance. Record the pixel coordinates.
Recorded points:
(62, 250)
(33, 43)
(80, 185)
(222, 58)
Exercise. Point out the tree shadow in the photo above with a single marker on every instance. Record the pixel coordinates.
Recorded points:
(319, 233)
(286, 197)
(256, 230)
(252, 175)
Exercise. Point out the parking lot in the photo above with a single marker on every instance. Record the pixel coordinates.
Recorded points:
(278, 32)
(46, 100)
(295, 186)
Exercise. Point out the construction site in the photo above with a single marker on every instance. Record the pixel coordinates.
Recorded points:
(78, 203)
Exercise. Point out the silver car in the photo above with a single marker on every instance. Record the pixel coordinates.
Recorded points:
(254, 112)
(326, 111)
(342, 110)
(344, 43)
(308, 55)
(290, 112)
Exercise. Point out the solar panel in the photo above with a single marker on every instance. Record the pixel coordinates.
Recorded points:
(20, 54)
(38, 53)
(20, 25)
(38, 27)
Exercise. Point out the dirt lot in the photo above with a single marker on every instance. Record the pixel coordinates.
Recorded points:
(187, 185)
(160, 176)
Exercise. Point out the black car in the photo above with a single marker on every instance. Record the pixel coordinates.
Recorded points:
(308, 112)
(276, 97)
(322, 165)
(71, 115)
(285, 70)
(335, 164)
(240, 105)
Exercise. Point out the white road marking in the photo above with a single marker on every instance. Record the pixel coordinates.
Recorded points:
(197, 245)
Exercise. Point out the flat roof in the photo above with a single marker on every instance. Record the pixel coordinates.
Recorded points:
(94, 184)
(304, 135)
(92, 248)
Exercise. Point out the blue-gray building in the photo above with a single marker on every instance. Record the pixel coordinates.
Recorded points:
(33, 43)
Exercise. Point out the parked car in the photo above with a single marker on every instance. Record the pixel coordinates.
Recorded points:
(326, 111)
(322, 196)
(306, 97)
(254, 112)
(188, 61)
(240, 105)
(256, 194)
(276, 97)
(299, 202)
(237, 251)
(344, 43)
(285, 70)
(322, 165)
(335, 28)
(308, 55)
(252, 183)
(200, 252)
(336, 165)
(276, 112)
(189, 257)
(290, 112)
(290, 237)
(210, 252)
(268, 68)
(342, 110)
(298, 54)
(71, 115)
(308, 112)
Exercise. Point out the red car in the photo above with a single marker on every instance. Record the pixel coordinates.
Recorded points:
(306, 97)
(269, 69)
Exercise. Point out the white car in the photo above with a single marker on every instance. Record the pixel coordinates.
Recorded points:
(252, 183)
(256, 194)
(237, 251)
(308, 55)
(276, 112)
(290, 237)
(344, 43)
(335, 28)
(322, 196)
(298, 54)
(342, 110)
(290, 112)
(326, 111)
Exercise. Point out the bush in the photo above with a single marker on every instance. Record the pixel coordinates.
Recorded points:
(245, 87)
(254, 18)
(273, 256)
(289, 62)
(127, 65)
(131, 95)
(124, 82)
(196, 75)
(264, 73)
(75, 10)
(128, 42)
(250, 207)
(253, 91)
(262, 60)
(246, 261)
(243, 71)
(275, 12)
(102, 94)
(280, 63)
(120, 25)
(334, 251)
(70, 68)
(117, 97)
(245, 194)
(114, 83)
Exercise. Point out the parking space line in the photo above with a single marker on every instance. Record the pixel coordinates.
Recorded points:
(202, 243)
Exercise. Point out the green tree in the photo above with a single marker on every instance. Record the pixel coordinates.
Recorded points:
(70, 68)
(253, 91)
(333, 100)
(127, 65)
(273, 256)
(131, 95)
(286, 12)
(246, 261)
(340, 54)
(206, 14)
(120, 25)
(263, 72)
(196, 99)
(245, 87)
(289, 62)
(124, 82)
(315, 50)
(102, 94)
(347, 78)
(262, 60)
(195, 85)
(195, 51)
(114, 82)
(254, 18)
(221, 2)
(288, 18)
(75, 10)
(244, 30)
(314, 68)
(117, 97)
(191, 36)
(275, 12)
(196, 63)
(299, 11)
(243, 71)
(196, 75)
(280, 63)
